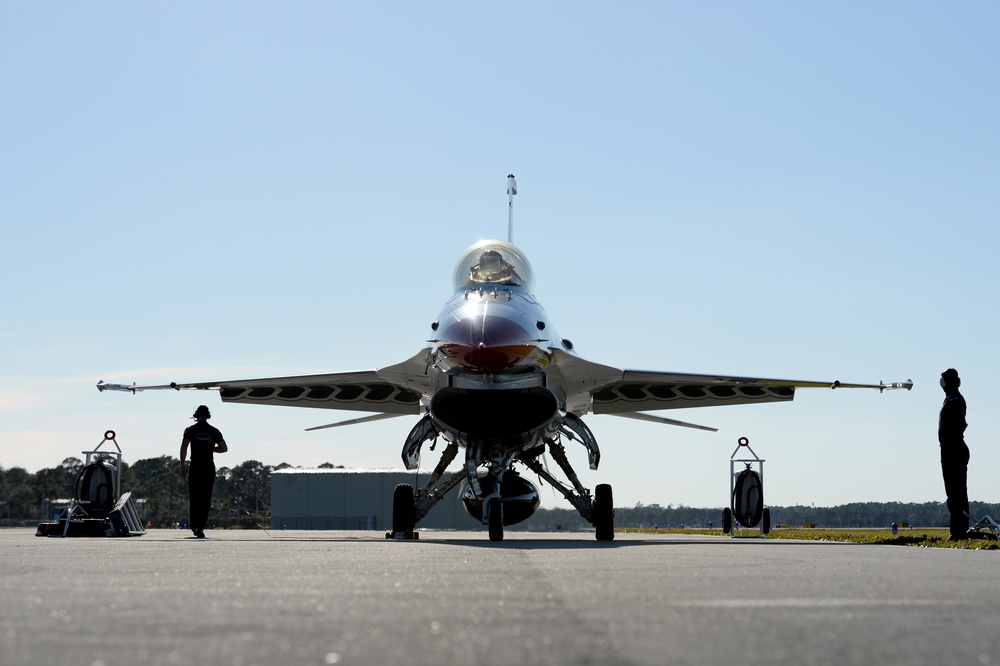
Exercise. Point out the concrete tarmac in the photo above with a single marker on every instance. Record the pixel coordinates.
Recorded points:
(240, 598)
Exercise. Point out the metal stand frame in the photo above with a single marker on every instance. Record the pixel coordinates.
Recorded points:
(734, 473)
(109, 436)
(122, 520)
(986, 524)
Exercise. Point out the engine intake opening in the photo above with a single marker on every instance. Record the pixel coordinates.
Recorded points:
(498, 415)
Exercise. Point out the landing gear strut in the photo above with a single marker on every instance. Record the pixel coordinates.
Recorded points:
(598, 509)
(495, 493)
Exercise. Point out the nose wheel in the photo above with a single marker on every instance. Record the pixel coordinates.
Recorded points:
(495, 516)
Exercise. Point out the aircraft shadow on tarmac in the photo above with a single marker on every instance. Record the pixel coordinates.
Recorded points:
(515, 540)
(584, 542)
(441, 539)
(587, 542)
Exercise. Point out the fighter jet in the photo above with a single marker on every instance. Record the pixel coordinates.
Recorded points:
(498, 381)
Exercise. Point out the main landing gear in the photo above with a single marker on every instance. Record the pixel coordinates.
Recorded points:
(495, 493)
(597, 509)
(403, 512)
(604, 513)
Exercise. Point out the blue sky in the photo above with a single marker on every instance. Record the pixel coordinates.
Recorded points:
(248, 189)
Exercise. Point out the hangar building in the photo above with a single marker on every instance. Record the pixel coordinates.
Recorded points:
(348, 499)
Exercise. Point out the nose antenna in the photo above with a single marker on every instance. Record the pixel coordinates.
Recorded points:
(511, 191)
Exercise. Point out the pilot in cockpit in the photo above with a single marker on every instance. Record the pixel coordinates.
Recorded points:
(492, 267)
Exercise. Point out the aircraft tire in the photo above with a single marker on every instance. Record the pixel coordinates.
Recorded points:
(727, 520)
(496, 519)
(403, 508)
(765, 525)
(604, 513)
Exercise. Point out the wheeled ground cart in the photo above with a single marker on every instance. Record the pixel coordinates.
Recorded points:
(984, 528)
(746, 493)
(99, 508)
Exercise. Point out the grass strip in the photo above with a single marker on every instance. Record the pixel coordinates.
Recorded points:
(921, 537)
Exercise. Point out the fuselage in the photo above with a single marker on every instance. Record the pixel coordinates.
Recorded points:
(492, 330)
(492, 347)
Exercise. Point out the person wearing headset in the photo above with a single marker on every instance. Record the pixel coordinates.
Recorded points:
(205, 441)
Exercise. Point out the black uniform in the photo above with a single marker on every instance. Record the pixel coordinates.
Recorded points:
(201, 471)
(955, 461)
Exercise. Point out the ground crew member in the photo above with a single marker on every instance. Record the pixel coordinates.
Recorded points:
(954, 454)
(204, 440)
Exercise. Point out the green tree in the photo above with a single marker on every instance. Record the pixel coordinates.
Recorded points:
(163, 490)
(16, 493)
(58, 482)
(250, 482)
(242, 495)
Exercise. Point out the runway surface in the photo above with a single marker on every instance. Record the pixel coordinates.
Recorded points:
(244, 598)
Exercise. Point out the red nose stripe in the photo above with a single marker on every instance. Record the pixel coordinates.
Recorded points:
(485, 343)
(486, 359)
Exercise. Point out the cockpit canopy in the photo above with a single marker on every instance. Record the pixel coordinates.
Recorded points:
(494, 262)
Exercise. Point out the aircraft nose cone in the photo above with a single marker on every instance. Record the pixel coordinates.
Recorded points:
(485, 343)
(489, 330)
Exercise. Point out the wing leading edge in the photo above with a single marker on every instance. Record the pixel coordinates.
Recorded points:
(639, 390)
(395, 389)
(602, 389)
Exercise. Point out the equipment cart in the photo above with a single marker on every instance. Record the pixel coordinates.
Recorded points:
(99, 508)
(746, 493)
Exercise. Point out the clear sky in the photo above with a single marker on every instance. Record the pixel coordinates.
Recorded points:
(194, 192)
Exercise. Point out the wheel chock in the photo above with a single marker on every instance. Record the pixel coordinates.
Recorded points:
(403, 536)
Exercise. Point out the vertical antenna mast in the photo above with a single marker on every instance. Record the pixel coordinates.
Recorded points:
(511, 191)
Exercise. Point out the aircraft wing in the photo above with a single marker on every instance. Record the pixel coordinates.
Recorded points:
(396, 389)
(638, 390)
(603, 389)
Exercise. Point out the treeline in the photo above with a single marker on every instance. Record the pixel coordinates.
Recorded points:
(858, 514)
(241, 498)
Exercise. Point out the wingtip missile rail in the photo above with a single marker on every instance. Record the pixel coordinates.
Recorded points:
(132, 388)
(881, 386)
(103, 386)
(892, 386)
